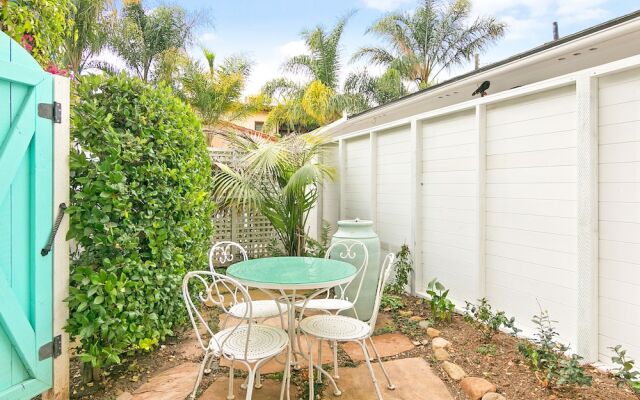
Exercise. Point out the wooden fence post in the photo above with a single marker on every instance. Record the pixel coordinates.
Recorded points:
(61, 145)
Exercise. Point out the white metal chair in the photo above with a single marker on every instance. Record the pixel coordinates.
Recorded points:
(340, 328)
(225, 252)
(246, 342)
(347, 250)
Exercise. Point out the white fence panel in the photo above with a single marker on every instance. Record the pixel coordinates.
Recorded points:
(393, 178)
(531, 201)
(449, 206)
(619, 225)
(357, 179)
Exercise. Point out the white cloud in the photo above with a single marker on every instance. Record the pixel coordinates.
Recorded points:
(292, 48)
(208, 39)
(385, 5)
(582, 10)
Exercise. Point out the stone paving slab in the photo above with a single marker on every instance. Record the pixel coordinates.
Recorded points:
(274, 366)
(173, 384)
(412, 376)
(389, 344)
(219, 388)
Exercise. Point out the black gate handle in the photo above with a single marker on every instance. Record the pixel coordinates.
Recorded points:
(47, 248)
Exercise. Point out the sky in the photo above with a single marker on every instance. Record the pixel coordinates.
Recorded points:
(268, 31)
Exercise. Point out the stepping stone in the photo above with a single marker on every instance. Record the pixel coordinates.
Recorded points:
(440, 343)
(190, 348)
(389, 344)
(433, 333)
(475, 388)
(219, 388)
(384, 320)
(412, 377)
(493, 396)
(274, 366)
(172, 384)
(441, 354)
(455, 372)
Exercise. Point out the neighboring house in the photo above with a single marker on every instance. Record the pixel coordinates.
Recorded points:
(216, 135)
(529, 196)
(254, 121)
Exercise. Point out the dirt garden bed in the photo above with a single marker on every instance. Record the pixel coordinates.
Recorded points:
(505, 366)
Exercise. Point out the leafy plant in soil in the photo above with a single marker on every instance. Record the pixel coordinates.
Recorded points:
(487, 320)
(546, 356)
(402, 267)
(391, 302)
(625, 374)
(487, 349)
(441, 307)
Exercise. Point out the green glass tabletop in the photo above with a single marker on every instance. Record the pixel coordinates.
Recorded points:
(291, 272)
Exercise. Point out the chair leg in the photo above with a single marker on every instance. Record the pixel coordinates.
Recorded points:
(230, 395)
(319, 359)
(311, 371)
(287, 375)
(252, 375)
(208, 369)
(258, 384)
(207, 354)
(373, 375)
(390, 385)
(335, 360)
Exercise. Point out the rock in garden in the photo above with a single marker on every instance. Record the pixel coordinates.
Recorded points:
(441, 354)
(455, 372)
(493, 396)
(423, 324)
(424, 342)
(440, 343)
(433, 332)
(416, 318)
(475, 388)
(405, 313)
(416, 343)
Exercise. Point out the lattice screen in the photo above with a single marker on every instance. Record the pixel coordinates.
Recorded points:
(249, 228)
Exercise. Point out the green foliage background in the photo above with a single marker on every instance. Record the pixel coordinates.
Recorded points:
(140, 213)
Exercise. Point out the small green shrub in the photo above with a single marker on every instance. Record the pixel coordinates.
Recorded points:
(402, 267)
(488, 321)
(487, 349)
(391, 302)
(441, 307)
(546, 356)
(625, 374)
(141, 214)
(318, 248)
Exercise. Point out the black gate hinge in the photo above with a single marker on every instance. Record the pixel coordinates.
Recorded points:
(50, 111)
(51, 349)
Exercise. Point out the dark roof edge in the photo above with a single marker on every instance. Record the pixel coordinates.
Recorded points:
(516, 57)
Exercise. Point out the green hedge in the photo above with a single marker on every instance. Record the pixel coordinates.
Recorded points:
(140, 212)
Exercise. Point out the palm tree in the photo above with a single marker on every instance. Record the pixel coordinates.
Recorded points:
(317, 101)
(280, 178)
(215, 92)
(368, 91)
(435, 37)
(86, 35)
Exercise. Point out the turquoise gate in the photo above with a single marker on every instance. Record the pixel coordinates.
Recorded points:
(26, 174)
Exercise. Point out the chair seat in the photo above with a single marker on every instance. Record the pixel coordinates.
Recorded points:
(264, 342)
(335, 327)
(326, 304)
(259, 308)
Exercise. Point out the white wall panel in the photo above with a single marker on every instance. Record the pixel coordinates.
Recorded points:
(357, 182)
(530, 207)
(331, 190)
(449, 205)
(619, 213)
(393, 177)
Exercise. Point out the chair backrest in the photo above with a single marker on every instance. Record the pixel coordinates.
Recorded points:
(205, 290)
(385, 274)
(225, 252)
(356, 253)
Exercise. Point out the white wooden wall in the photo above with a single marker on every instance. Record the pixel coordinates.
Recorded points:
(529, 197)
(619, 156)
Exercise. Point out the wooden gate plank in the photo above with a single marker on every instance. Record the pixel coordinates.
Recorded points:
(24, 75)
(15, 144)
(17, 326)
